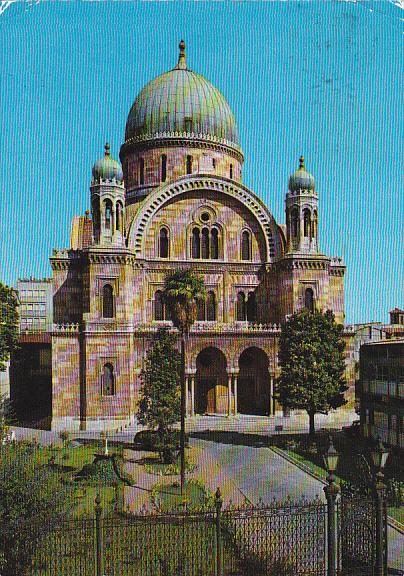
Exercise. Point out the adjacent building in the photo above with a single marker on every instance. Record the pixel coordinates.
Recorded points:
(380, 391)
(36, 304)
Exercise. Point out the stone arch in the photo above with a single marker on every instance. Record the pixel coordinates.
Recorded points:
(254, 393)
(211, 382)
(189, 183)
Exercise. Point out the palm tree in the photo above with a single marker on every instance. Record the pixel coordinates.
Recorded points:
(182, 291)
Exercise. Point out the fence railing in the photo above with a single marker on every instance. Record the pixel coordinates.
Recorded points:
(277, 539)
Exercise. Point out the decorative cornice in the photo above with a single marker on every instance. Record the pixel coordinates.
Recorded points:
(189, 183)
(100, 258)
(291, 263)
(181, 139)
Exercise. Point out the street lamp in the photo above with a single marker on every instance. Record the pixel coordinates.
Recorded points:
(331, 492)
(379, 457)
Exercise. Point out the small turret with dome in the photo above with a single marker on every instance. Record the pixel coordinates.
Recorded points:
(301, 179)
(108, 201)
(178, 124)
(302, 212)
(106, 168)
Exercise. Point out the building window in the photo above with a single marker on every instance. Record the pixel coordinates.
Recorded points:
(295, 223)
(211, 306)
(241, 307)
(246, 245)
(205, 243)
(213, 163)
(108, 214)
(108, 380)
(206, 309)
(189, 164)
(119, 214)
(309, 299)
(196, 243)
(214, 244)
(108, 301)
(188, 125)
(159, 306)
(231, 170)
(251, 307)
(141, 171)
(307, 224)
(314, 227)
(163, 243)
(163, 168)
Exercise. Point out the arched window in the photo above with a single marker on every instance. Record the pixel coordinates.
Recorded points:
(205, 243)
(251, 307)
(108, 214)
(201, 309)
(141, 171)
(163, 243)
(189, 164)
(309, 299)
(214, 243)
(306, 224)
(314, 227)
(295, 223)
(211, 306)
(246, 245)
(196, 243)
(241, 307)
(119, 214)
(108, 380)
(231, 170)
(163, 168)
(159, 308)
(108, 301)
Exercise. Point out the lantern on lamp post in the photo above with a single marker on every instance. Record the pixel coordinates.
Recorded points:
(331, 492)
(378, 457)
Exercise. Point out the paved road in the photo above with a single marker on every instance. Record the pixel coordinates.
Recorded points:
(257, 472)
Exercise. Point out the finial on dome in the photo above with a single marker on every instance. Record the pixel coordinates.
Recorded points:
(107, 148)
(182, 64)
(301, 163)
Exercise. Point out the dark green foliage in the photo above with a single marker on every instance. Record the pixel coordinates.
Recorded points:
(97, 473)
(32, 500)
(149, 440)
(182, 290)
(159, 406)
(312, 363)
(8, 324)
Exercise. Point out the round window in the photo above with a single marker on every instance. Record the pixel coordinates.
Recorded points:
(205, 216)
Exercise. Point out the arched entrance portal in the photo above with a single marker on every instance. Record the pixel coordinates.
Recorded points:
(211, 382)
(253, 382)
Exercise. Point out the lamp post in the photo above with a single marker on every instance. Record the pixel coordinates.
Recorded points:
(379, 457)
(331, 493)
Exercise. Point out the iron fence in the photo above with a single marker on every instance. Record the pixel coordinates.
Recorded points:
(276, 539)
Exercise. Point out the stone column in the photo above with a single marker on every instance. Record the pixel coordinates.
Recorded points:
(229, 395)
(235, 393)
(187, 403)
(271, 395)
(192, 377)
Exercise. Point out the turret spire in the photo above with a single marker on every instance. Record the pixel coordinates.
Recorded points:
(107, 149)
(301, 163)
(182, 64)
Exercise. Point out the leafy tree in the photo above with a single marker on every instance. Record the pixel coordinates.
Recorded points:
(312, 364)
(32, 501)
(5, 416)
(8, 323)
(160, 404)
(182, 291)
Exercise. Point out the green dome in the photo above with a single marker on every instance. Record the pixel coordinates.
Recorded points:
(181, 103)
(301, 179)
(107, 168)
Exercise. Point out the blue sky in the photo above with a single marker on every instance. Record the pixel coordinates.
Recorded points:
(319, 78)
